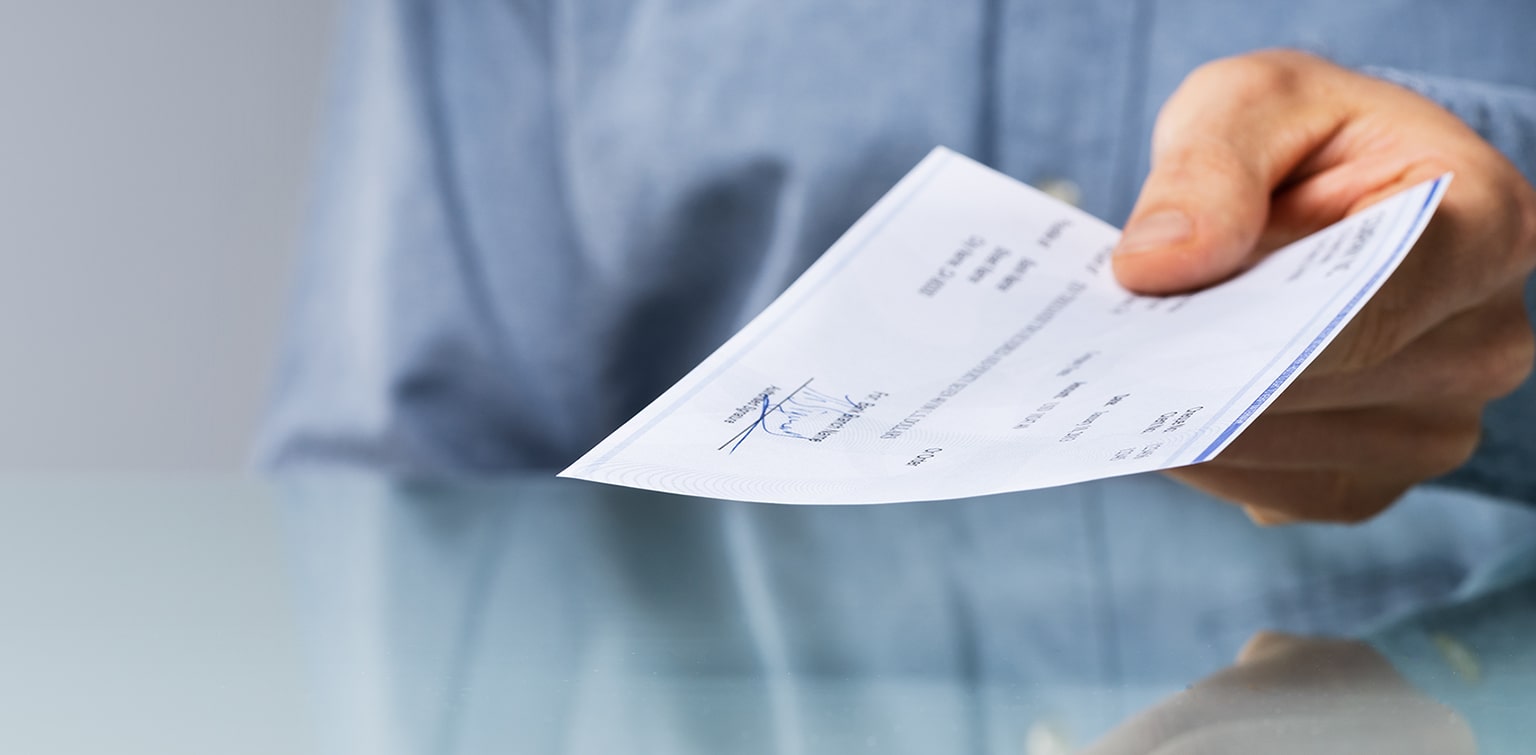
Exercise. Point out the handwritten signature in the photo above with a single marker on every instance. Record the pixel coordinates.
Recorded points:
(794, 411)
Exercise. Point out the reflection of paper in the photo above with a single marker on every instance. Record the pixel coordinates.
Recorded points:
(967, 337)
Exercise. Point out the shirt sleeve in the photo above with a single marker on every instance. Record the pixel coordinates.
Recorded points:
(437, 170)
(1505, 462)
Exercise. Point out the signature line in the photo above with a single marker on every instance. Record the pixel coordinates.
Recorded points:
(742, 436)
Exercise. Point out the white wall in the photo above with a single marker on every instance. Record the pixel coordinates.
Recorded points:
(153, 158)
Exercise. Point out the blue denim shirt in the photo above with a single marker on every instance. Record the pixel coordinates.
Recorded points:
(535, 215)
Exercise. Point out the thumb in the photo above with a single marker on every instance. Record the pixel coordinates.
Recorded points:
(1225, 139)
(1196, 223)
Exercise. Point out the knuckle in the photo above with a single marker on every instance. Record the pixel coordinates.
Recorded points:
(1525, 214)
(1493, 368)
(1351, 500)
(1189, 163)
(1508, 203)
(1509, 362)
(1253, 75)
(1500, 358)
(1454, 447)
(1511, 201)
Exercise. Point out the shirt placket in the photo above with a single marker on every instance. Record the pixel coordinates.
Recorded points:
(1068, 98)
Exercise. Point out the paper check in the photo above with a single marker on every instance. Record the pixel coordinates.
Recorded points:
(966, 336)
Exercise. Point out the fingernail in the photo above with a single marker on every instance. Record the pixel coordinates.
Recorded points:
(1154, 231)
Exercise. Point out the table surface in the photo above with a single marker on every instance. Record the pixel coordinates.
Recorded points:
(351, 615)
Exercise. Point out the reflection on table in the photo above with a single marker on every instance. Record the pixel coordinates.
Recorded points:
(547, 616)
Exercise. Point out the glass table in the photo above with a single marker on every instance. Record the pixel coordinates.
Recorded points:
(534, 615)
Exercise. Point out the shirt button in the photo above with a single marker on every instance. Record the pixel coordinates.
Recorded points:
(1047, 738)
(1061, 188)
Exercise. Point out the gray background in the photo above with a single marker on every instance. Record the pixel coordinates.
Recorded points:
(153, 161)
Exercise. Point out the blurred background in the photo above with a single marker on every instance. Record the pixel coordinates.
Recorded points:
(154, 158)
(153, 166)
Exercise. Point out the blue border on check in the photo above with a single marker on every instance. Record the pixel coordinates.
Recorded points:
(1435, 190)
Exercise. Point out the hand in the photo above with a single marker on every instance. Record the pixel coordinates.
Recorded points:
(1296, 695)
(1256, 151)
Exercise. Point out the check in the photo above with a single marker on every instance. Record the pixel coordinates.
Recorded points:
(966, 336)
